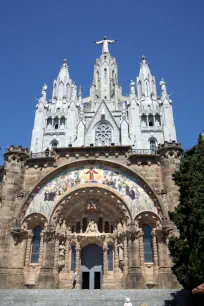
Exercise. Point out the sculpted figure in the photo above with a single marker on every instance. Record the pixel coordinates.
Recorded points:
(105, 43)
(44, 90)
(158, 225)
(137, 226)
(64, 227)
(163, 86)
(59, 224)
(62, 249)
(25, 226)
(132, 87)
(69, 229)
(92, 227)
(124, 226)
(119, 228)
(45, 226)
(120, 251)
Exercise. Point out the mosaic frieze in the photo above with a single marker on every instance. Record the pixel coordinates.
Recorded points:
(135, 197)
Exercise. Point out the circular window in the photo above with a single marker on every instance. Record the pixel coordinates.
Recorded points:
(103, 135)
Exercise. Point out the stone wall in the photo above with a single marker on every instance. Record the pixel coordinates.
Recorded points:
(24, 175)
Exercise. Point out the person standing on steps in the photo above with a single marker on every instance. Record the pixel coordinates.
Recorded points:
(127, 302)
(74, 279)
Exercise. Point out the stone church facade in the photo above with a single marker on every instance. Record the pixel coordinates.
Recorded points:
(92, 194)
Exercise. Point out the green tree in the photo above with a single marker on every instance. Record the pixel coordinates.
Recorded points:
(188, 250)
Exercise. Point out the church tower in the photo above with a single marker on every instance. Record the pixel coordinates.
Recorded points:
(106, 117)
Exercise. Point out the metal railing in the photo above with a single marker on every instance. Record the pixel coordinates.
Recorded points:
(44, 154)
(144, 152)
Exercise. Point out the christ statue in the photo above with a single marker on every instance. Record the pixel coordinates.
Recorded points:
(105, 43)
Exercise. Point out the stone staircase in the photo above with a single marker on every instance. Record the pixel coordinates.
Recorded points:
(61, 297)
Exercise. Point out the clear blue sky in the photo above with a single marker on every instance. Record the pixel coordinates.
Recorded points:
(37, 35)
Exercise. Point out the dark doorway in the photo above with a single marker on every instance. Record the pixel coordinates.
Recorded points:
(97, 280)
(91, 263)
(85, 280)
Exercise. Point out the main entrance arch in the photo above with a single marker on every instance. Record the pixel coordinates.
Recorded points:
(91, 267)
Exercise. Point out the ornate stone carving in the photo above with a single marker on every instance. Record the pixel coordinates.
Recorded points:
(67, 247)
(78, 251)
(61, 261)
(92, 229)
(28, 248)
(154, 244)
(103, 134)
(141, 247)
(56, 255)
(125, 256)
(121, 252)
(116, 262)
(105, 258)
(91, 206)
(41, 248)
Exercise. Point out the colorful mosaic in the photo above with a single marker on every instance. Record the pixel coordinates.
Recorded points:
(135, 197)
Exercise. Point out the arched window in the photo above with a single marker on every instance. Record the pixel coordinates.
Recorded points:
(78, 227)
(73, 258)
(139, 89)
(106, 227)
(103, 135)
(62, 121)
(84, 225)
(147, 88)
(73, 228)
(144, 120)
(110, 257)
(100, 225)
(111, 229)
(54, 144)
(151, 120)
(157, 120)
(36, 244)
(105, 73)
(56, 123)
(147, 240)
(153, 145)
(49, 122)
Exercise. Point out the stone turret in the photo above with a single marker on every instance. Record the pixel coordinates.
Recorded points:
(12, 197)
(105, 81)
(170, 156)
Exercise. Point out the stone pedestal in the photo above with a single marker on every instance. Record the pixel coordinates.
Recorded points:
(135, 278)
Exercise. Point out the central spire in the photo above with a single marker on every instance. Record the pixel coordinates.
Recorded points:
(105, 43)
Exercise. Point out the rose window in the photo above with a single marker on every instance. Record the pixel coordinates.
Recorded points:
(103, 135)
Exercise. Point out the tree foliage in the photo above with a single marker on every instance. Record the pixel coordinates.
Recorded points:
(188, 250)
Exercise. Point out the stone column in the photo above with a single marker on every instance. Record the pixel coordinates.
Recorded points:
(41, 248)
(141, 247)
(160, 249)
(116, 261)
(105, 258)
(67, 247)
(129, 252)
(28, 248)
(56, 256)
(78, 250)
(125, 256)
(154, 245)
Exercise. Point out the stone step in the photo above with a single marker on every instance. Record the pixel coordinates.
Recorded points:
(43, 297)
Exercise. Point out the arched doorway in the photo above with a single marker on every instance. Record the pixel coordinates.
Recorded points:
(91, 267)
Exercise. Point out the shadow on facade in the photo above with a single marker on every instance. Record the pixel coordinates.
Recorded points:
(185, 298)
